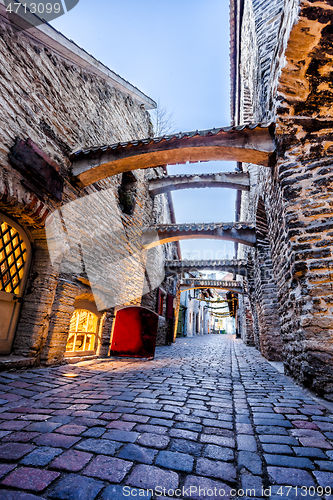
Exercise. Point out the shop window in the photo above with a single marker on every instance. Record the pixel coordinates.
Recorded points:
(82, 333)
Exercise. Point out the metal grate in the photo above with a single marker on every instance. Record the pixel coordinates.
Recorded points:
(13, 255)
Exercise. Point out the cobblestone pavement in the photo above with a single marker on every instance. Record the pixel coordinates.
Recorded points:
(207, 418)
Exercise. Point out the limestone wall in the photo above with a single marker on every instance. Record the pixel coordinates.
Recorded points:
(305, 140)
(64, 108)
(296, 194)
(262, 23)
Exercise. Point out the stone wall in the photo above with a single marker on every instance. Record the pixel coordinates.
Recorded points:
(305, 131)
(63, 108)
(296, 194)
(260, 28)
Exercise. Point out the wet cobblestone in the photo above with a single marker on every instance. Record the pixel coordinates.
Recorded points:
(207, 413)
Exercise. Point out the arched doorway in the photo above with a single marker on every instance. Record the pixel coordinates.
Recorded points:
(15, 258)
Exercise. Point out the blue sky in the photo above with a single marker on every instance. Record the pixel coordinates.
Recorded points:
(176, 52)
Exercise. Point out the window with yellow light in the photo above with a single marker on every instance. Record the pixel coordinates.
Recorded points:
(82, 333)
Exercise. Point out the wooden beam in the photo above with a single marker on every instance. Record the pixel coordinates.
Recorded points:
(197, 283)
(232, 180)
(250, 144)
(231, 266)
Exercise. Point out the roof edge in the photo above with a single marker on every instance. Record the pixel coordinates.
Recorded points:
(69, 50)
(181, 135)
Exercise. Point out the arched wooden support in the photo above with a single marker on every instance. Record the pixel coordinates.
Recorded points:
(195, 283)
(239, 232)
(233, 265)
(232, 180)
(247, 143)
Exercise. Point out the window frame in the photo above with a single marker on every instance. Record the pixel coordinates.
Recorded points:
(75, 353)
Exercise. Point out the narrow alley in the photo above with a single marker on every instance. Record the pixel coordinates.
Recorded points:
(208, 418)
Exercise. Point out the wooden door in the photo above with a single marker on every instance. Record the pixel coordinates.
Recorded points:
(15, 256)
(134, 332)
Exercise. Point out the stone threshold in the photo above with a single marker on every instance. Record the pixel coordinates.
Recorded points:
(120, 359)
(12, 362)
(15, 362)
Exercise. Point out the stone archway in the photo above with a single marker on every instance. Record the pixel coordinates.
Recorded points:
(239, 232)
(231, 180)
(246, 143)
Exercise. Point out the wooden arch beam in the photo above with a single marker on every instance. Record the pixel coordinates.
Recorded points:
(229, 265)
(232, 180)
(195, 284)
(185, 288)
(239, 232)
(250, 144)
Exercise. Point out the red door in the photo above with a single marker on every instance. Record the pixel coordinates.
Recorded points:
(134, 333)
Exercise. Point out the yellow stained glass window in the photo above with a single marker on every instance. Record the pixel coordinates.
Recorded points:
(13, 255)
(82, 331)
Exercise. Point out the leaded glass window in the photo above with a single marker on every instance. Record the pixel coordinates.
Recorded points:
(13, 255)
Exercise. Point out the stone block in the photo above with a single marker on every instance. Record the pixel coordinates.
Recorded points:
(138, 453)
(108, 468)
(71, 460)
(30, 479)
(290, 476)
(41, 456)
(15, 451)
(148, 477)
(76, 487)
(153, 440)
(101, 446)
(56, 440)
(214, 468)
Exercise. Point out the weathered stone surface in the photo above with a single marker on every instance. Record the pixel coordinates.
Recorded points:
(294, 477)
(71, 460)
(288, 312)
(63, 107)
(77, 488)
(27, 478)
(108, 468)
(146, 476)
(138, 453)
(213, 368)
(175, 461)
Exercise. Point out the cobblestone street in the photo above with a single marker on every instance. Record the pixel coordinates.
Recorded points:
(207, 413)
